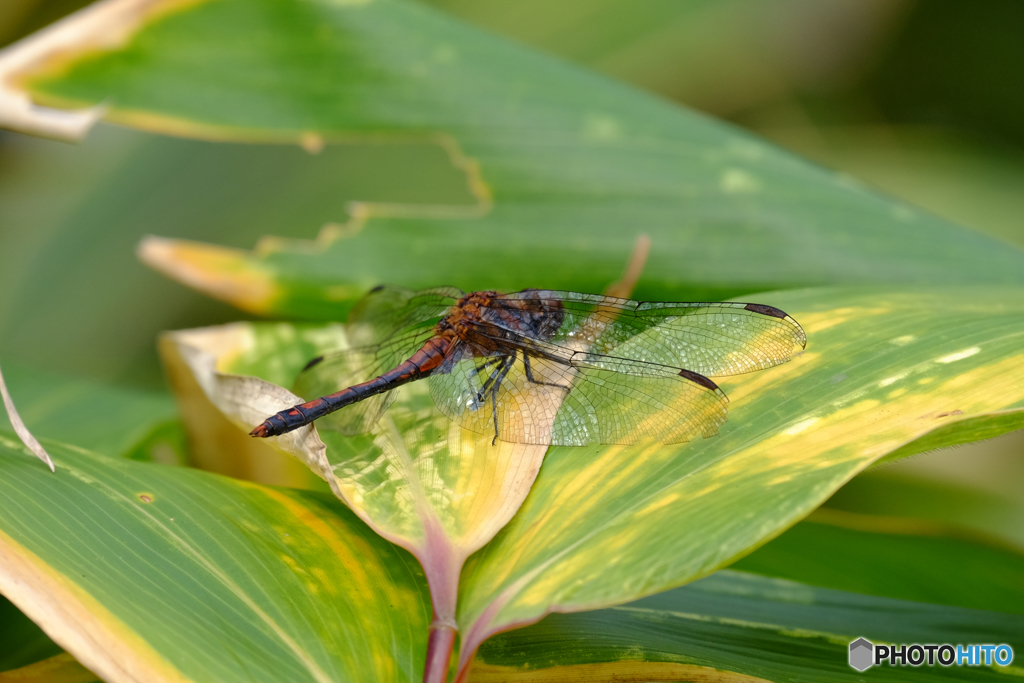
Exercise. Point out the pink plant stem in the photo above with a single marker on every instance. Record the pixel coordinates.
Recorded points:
(442, 565)
(439, 653)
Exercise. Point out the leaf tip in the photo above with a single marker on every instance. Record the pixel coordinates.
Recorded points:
(224, 273)
(21, 430)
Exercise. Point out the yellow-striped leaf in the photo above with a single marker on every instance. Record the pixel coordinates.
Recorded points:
(149, 573)
(61, 668)
(606, 525)
(418, 480)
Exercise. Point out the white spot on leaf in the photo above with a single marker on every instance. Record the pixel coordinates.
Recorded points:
(892, 380)
(959, 355)
(800, 426)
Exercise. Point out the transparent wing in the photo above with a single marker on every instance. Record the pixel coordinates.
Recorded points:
(387, 310)
(531, 399)
(488, 395)
(712, 339)
(384, 328)
(606, 406)
(336, 371)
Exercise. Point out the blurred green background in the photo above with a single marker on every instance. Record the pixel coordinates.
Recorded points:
(922, 100)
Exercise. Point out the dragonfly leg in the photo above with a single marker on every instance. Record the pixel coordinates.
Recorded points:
(483, 366)
(498, 377)
(486, 364)
(529, 375)
(499, 364)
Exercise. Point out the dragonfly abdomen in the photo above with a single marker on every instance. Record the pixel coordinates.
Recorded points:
(421, 364)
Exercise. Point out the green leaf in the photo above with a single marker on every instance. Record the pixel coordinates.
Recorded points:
(605, 525)
(154, 573)
(420, 481)
(751, 626)
(559, 161)
(964, 431)
(24, 642)
(895, 557)
(216, 444)
(81, 209)
(887, 492)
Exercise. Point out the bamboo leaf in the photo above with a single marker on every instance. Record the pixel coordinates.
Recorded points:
(887, 492)
(151, 573)
(558, 161)
(605, 525)
(420, 481)
(896, 557)
(737, 627)
(601, 524)
(216, 444)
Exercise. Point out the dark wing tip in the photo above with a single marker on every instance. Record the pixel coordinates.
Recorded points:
(311, 363)
(698, 378)
(376, 289)
(767, 310)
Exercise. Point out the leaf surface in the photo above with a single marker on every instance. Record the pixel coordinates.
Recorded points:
(151, 573)
(880, 370)
(61, 668)
(419, 480)
(560, 161)
(604, 525)
(734, 627)
(902, 558)
(889, 492)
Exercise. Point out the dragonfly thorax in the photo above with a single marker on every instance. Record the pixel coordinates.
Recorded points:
(485, 318)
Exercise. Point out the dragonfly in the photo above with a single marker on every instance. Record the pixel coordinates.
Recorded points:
(542, 366)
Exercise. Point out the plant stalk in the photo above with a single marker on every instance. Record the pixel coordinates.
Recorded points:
(439, 652)
(442, 565)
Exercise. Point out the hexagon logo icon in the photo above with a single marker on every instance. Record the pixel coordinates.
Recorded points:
(861, 654)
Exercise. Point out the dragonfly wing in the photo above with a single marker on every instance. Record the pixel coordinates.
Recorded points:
(712, 339)
(384, 328)
(490, 395)
(387, 310)
(336, 371)
(611, 407)
(544, 401)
